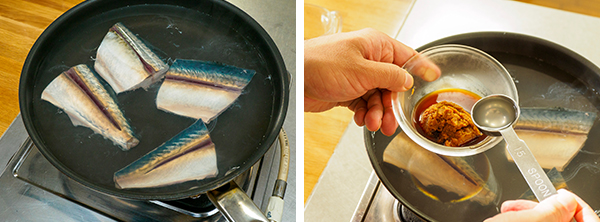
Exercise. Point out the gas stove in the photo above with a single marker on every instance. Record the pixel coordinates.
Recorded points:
(31, 188)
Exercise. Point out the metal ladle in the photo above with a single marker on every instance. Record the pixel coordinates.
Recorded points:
(494, 115)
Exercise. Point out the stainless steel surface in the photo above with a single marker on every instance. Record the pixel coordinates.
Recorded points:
(497, 113)
(11, 141)
(22, 200)
(187, 212)
(376, 204)
(235, 205)
(247, 179)
(365, 199)
(531, 170)
(279, 190)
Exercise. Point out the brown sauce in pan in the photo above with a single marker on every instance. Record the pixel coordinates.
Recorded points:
(444, 117)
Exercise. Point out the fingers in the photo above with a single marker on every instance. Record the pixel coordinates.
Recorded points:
(393, 77)
(394, 52)
(583, 212)
(422, 67)
(359, 107)
(384, 58)
(374, 114)
(517, 205)
(375, 111)
(386, 76)
(379, 47)
(559, 207)
(389, 123)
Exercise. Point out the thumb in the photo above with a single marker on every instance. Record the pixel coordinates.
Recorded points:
(386, 76)
(560, 208)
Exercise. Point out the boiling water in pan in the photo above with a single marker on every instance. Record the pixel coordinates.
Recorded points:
(201, 31)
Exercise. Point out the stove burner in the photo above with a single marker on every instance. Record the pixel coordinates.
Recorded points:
(403, 214)
(200, 206)
(378, 204)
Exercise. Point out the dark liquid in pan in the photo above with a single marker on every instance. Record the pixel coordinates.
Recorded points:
(474, 169)
(461, 97)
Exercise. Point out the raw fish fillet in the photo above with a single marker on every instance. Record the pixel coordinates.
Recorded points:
(201, 90)
(125, 62)
(190, 155)
(79, 93)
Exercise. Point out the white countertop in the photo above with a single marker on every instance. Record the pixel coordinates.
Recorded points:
(430, 20)
(340, 186)
(339, 189)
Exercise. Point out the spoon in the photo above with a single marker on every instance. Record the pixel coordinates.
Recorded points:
(494, 115)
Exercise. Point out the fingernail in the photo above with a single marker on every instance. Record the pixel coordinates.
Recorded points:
(430, 75)
(408, 81)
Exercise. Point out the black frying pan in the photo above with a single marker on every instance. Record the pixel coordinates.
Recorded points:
(546, 75)
(212, 30)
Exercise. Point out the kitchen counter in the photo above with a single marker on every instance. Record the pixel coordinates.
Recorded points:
(21, 22)
(429, 20)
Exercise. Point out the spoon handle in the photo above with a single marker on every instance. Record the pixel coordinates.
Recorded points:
(535, 176)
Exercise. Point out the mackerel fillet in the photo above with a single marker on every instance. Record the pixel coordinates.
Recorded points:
(125, 62)
(200, 89)
(79, 93)
(190, 155)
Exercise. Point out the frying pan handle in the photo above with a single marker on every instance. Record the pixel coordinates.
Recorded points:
(235, 204)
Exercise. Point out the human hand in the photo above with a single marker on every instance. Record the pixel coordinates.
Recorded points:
(563, 206)
(358, 70)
